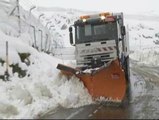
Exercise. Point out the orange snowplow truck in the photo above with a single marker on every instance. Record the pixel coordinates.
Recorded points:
(102, 55)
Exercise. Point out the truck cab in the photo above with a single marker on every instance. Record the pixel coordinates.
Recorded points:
(99, 39)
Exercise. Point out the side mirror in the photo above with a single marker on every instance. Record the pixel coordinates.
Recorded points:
(70, 29)
(71, 35)
(123, 30)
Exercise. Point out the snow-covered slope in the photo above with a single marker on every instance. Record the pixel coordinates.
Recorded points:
(35, 85)
(62, 19)
(43, 87)
(144, 39)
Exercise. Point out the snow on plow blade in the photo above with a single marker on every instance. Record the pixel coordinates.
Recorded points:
(108, 82)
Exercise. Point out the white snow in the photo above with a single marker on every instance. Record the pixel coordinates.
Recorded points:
(143, 40)
(41, 89)
(44, 87)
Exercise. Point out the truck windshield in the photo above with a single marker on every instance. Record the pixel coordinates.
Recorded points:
(96, 32)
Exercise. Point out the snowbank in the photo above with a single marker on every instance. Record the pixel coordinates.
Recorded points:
(41, 89)
(149, 56)
(144, 37)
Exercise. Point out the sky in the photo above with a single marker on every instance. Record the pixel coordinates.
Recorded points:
(129, 6)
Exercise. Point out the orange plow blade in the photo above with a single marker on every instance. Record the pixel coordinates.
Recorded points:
(108, 82)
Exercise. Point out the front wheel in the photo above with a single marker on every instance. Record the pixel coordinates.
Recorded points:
(127, 69)
(127, 76)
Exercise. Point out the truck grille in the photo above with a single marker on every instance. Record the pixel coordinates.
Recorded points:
(86, 60)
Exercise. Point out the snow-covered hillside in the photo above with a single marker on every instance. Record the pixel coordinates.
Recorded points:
(41, 88)
(61, 19)
(35, 84)
(144, 40)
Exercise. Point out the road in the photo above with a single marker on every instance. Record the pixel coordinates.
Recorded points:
(143, 102)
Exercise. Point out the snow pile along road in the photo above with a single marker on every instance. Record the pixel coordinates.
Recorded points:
(144, 40)
(42, 87)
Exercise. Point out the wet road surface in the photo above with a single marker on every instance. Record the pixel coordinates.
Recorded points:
(143, 100)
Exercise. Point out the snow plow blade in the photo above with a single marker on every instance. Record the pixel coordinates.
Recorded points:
(106, 82)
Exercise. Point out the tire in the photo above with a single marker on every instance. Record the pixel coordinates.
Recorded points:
(127, 76)
(127, 70)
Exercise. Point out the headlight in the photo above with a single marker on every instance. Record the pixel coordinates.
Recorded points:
(84, 20)
(102, 17)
